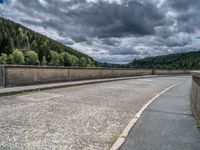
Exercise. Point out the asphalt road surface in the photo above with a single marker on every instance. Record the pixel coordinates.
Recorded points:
(81, 117)
(167, 124)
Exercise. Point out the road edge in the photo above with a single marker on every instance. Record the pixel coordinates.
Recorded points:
(33, 88)
(121, 139)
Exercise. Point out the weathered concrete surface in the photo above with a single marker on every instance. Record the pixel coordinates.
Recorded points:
(195, 95)
(82, 117)
(164, 72)
(167, 124)
(17, 75)
(32, 88)
(80, 74)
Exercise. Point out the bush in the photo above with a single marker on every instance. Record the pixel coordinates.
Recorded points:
(90, 63)
(74, 61)
(55, 58)
(10, 59)
(18, 57)
(65, 59)
(83, 62)
(31, 58)
(3, 58)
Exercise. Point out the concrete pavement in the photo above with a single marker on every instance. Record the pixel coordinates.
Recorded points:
(32, 88)
(167, 124)
(38, 87)
(79, 117)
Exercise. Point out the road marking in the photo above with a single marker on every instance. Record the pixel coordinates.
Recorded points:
(121, 139)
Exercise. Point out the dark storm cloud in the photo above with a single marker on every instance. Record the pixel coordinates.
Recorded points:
(124, 51)
(187, 11)
(102, 19)
(118, 20)
(108, 29)
(111, 42)
(182, 5)
(178, 40)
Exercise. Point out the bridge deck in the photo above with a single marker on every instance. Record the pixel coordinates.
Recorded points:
(81, 117)
(166, 124)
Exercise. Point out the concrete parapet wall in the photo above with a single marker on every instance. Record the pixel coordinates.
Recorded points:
(14, 75)
(171, 72)
(81, 73)
(195, 94)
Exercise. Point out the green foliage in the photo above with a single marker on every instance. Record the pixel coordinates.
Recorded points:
(74, 61)
(3, 58)
(31, 58)
(83, 62)
(190, 60)
(14, 35)
(90, 63)
(55, 58)
(198, 124)
(44, 62)
(65, 59)
(18, 57)
(10, 59)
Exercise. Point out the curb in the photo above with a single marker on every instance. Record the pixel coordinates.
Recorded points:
(121, 139)
(18, 90)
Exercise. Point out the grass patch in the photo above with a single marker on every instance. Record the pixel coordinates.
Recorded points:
(198, 124)
(192, 106)
(194, 112)
(112, 141)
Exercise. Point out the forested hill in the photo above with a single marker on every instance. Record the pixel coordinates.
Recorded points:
(14, 36)
(190, 60)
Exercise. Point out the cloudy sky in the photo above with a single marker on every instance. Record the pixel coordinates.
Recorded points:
(116, 31)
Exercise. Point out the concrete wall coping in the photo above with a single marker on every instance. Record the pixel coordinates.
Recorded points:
(63, 67)
(195, 74)
(195, 95)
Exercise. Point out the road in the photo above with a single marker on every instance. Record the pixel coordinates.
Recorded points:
(81, 117)
(167, 124)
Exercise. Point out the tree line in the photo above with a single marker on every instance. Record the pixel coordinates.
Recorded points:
(20, 45)
(31, 58)
(190, 60)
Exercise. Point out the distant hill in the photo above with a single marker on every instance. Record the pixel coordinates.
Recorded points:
(190, 60)
(16, 36)
(111, 65)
